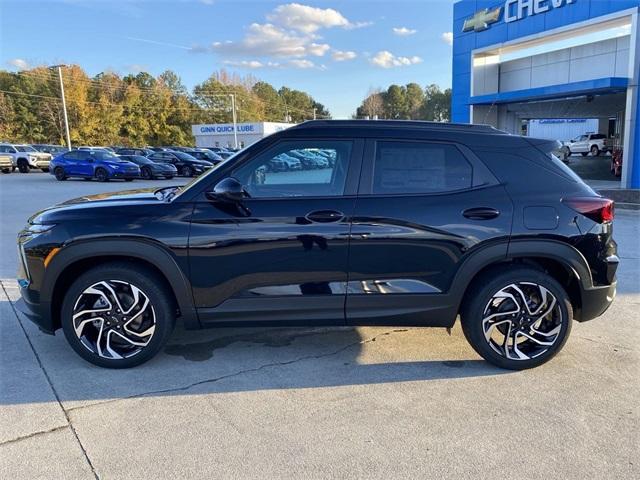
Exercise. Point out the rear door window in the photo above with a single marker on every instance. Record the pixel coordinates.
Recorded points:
(419, 168)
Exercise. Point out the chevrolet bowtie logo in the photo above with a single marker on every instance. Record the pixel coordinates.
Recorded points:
(482, 19)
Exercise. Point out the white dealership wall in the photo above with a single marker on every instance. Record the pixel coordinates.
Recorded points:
(222, 134)
(562, 128)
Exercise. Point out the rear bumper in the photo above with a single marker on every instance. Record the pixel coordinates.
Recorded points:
(596, 301)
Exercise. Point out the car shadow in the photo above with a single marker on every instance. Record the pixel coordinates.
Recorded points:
(250, 359)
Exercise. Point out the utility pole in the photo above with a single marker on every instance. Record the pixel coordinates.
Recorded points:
(64, 104)
(235, 120)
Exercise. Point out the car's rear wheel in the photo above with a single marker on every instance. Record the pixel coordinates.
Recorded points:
(23, 166)
(595, 151)
(517, 318)
(6, 170)
(117, 315)
(58, 172)
(187, 171)
(101, 175)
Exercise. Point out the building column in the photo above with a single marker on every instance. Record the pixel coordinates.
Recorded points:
(631, 148)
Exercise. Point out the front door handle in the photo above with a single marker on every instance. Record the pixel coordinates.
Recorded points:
(324, 216)
(480, 213)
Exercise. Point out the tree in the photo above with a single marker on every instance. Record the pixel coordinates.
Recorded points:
(437, 104)
(395, 102)
(414, 101)
(372, 106)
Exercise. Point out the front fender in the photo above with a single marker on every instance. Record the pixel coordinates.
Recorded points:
(141, 249)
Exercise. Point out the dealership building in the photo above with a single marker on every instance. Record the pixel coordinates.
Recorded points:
(225, 135)
(540, 62)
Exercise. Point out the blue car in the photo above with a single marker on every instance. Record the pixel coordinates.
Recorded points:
(88, 164)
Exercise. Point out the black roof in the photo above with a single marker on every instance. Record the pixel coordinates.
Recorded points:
(404, 124)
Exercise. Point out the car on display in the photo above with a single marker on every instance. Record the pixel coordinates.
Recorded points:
(54, 150)
(186, 165)
(207, 155)
(25, 157)
(589, 143)
(283, 163)
(145, 152)
(150, 169)
(6, 163)
(415, 224)
(93, 164)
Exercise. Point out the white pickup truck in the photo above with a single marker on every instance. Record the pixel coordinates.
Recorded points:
(589, 143)
(25, 157)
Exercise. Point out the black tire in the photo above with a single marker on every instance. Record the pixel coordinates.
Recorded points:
(480, 298)
(13, 169)
(145, 172)
(59, 174)
(6, 170)
(151, 286)
(595, 151)
(23, 166)
(101, 175)
(187, 171)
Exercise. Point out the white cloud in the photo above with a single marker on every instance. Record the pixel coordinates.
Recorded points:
(341, 56)
(19, 63)
(266, 40)
(309, 20)
(256, 64)
(302, 63)
(447, 37)
(385, 59)
(403, 31)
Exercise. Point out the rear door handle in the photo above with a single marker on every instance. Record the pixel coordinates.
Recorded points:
(325, 216)
(480, 213)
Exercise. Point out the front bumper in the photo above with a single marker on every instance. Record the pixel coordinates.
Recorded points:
(125, 175)
(35, 313)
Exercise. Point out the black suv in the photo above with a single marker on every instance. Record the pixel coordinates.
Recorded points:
(412, 224)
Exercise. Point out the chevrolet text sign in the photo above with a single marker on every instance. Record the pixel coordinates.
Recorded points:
(513, 10)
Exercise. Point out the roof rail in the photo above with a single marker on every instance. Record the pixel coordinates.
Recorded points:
(399, 124)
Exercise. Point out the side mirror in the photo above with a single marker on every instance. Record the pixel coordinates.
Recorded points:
(228, 190)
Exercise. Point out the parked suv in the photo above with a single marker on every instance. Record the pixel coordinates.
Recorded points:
(25, 157)
(414, 224)
(99, 164)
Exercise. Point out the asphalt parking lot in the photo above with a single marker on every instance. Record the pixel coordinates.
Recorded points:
(315, 402)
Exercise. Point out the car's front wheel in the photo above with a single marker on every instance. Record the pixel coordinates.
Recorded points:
(517, 317)
(101, 175)
(145, 172)
(595, 151)
(23, 166)
(117, 315)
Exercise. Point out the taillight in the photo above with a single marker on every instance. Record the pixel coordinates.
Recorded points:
(598, 209)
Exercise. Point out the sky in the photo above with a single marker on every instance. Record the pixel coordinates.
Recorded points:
(334, 50)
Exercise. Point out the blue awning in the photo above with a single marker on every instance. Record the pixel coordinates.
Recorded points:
(598, 86)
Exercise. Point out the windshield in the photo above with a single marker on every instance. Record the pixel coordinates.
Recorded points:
(104, 155)
(180, 190)
(25, 148)
(183, 156)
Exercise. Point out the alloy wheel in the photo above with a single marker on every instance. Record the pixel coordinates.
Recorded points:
(522, 321)
(114, 319)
